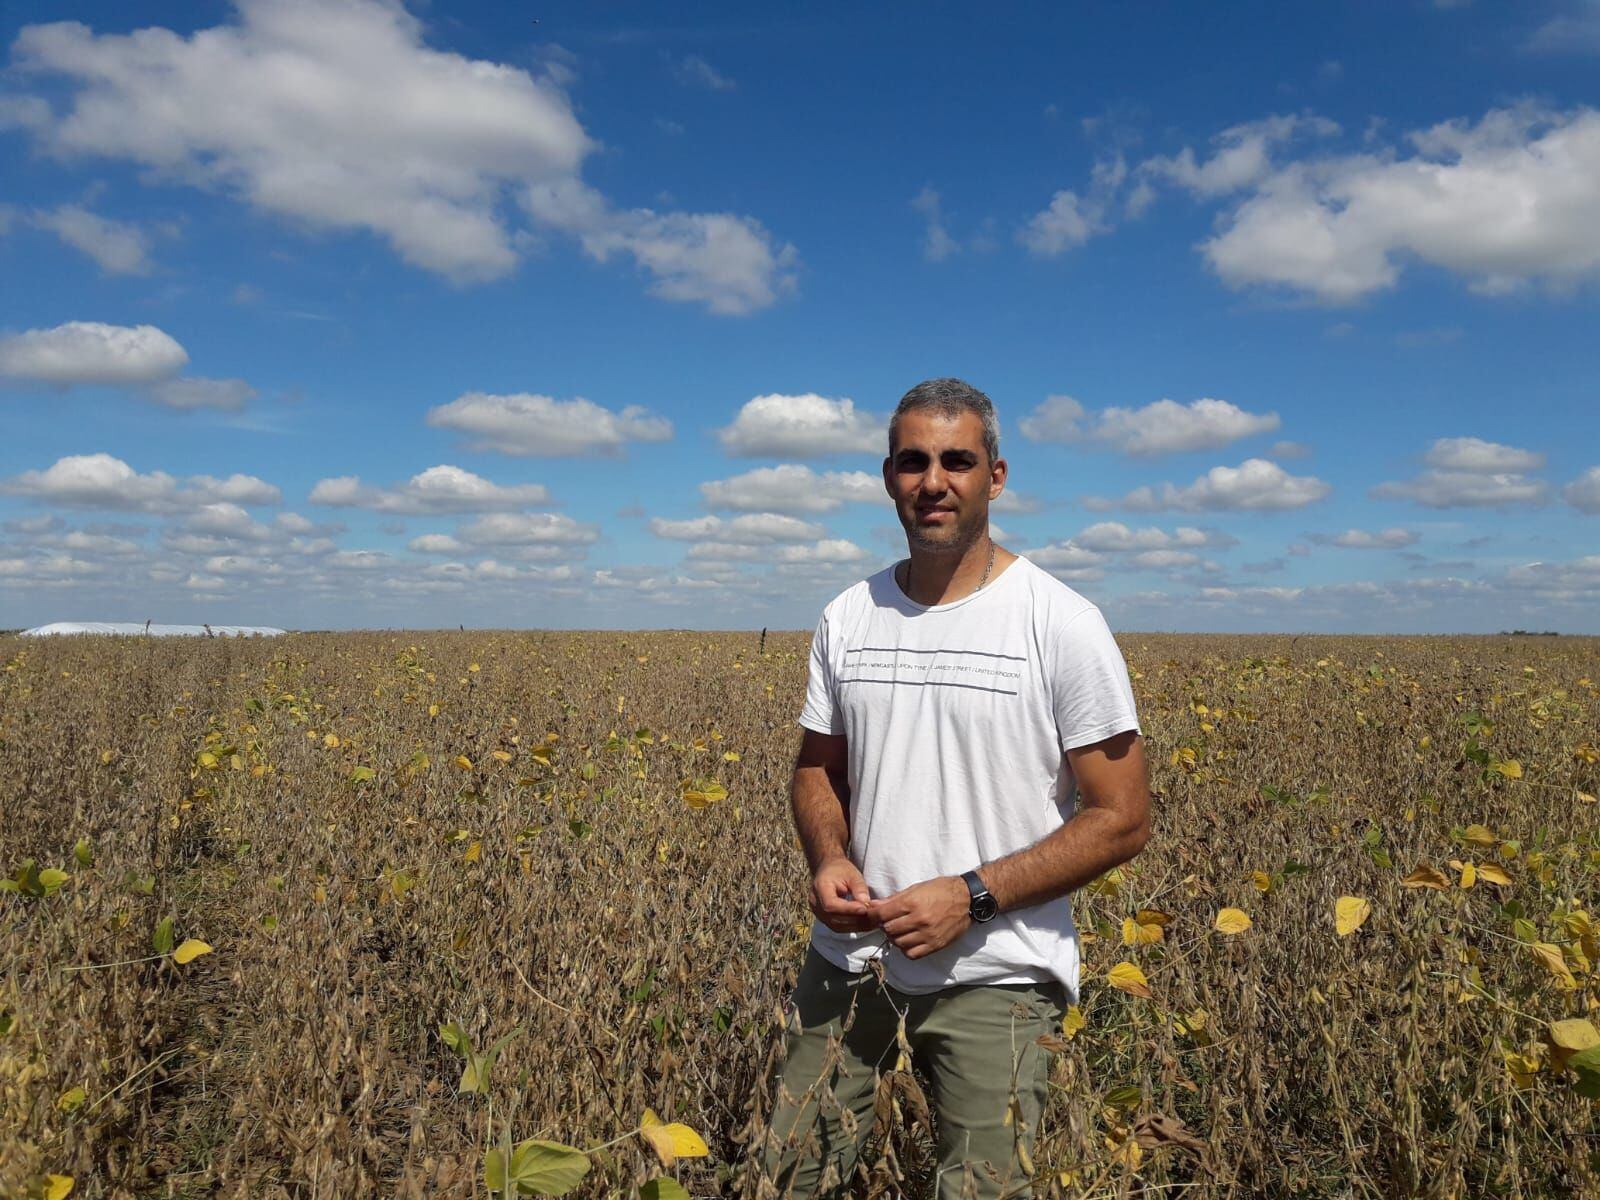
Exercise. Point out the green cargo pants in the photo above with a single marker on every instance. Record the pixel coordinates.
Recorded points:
(976, 1045)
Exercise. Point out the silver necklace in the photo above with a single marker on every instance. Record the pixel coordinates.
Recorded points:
(987, 568)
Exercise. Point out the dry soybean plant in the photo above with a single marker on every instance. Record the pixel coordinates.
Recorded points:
(454, 914)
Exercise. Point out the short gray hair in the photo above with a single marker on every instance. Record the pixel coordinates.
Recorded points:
(951, 398)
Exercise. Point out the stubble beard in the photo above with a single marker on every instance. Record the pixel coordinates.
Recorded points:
(958, 542)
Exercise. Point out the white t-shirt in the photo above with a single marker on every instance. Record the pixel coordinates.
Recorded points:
(958, 717)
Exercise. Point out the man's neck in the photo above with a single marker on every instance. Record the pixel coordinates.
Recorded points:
(933, 578)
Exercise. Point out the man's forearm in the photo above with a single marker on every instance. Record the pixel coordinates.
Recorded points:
(1092, 842)
(820, 803)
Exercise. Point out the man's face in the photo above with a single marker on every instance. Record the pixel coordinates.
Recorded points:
(941, 480)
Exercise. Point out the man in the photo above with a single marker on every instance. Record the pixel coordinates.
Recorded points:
(971, 755)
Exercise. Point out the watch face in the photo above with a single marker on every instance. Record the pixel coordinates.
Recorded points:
(985, 908)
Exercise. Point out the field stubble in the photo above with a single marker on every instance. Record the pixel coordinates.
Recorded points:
(524, 834)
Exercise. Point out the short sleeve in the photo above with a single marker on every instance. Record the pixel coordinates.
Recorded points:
(820, 713)
(1089, 686)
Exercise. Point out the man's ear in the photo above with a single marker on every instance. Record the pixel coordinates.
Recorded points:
(888, 474)
(997, 477)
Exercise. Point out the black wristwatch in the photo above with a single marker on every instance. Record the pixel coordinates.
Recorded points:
(984, 906)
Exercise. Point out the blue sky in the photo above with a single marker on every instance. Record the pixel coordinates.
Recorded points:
(332, 315)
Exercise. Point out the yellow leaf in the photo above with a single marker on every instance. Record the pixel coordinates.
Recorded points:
(433, 710)
(1522, 1067)
(1129, 978)
(331, 741)
(473, 668)
(1140, 933)
(500, 756)
(1569, 1037)
(699, 797)
(191, 949)
(1072, 1022)
(71, 1100)
(1490, 873)
(1549, 955)
(1480, 835)
(462, 761)
(671, 1142)
(57, 1187)
(1350, 914)
(1109, 884)
(1262, 880)
(1232, 920)
(1469, 873)
(730, 756)
(1426, 877)
(474, 853)
(1511, 768)
(1584, 797)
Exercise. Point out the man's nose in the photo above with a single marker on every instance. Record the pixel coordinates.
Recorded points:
(934, 479)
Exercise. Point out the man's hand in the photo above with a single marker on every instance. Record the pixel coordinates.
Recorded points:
(925, 917)
(840, 898)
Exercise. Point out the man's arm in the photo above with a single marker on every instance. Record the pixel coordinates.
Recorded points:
(819, 797)
(1110, 826)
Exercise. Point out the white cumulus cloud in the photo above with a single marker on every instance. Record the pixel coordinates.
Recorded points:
(1583, 493)
(531, 425)
(1475, 454)
(100, 481)
(441, 489)
(1162, 427)
(1469, 472)
(727, 262)
(336, 114)
(1114, 537)
(89, 352)
(793, 488)
(527, 529)
(1363, 539)
(1504, 202)
(1255, 485)
(803, 426)
(118, 247)
(750, 529)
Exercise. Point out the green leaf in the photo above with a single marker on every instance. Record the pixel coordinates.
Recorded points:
(663, 1188)
(362, 775)
(494, 1171)
(1586, 1060)
(1126, 1096)
(71, 1100)
(1588, 1084)
(456, 1038)
(51, 879)
(84, 853)
(540, 1168)
(475, 1075)
(161, 940)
